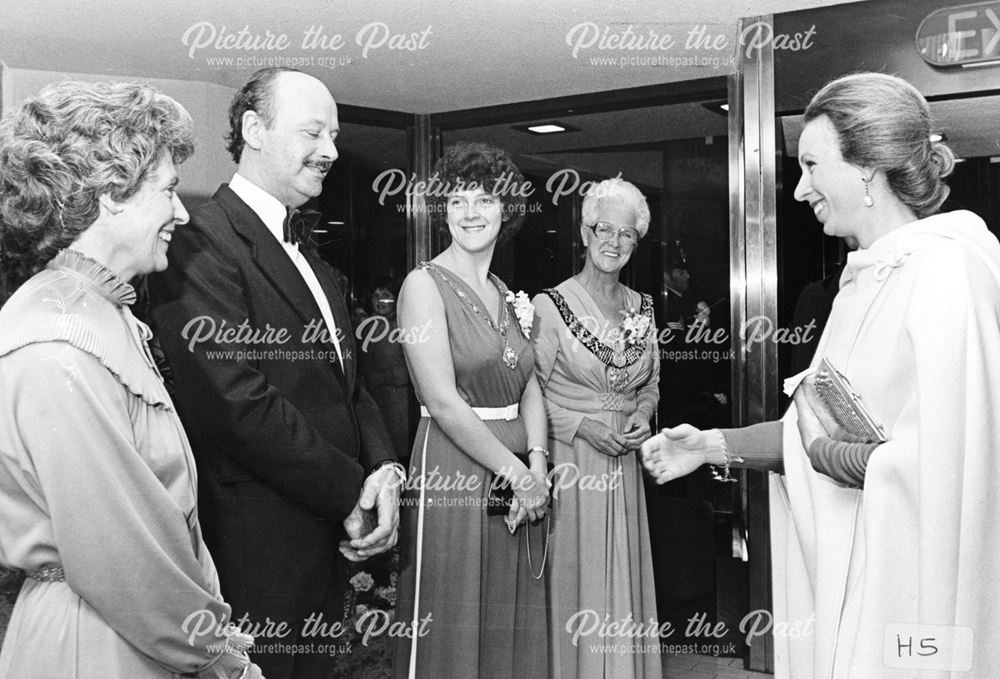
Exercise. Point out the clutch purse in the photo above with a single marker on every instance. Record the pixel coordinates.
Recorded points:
(502, 493)
(844, 406)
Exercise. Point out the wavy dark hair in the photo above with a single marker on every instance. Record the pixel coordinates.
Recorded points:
(475, 165)
(61, 150)
(884, 123)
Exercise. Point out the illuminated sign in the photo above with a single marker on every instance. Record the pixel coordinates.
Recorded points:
(964, 35)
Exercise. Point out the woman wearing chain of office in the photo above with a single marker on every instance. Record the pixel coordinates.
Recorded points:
(597, 364)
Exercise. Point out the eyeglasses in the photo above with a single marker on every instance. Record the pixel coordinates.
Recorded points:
(627, 236)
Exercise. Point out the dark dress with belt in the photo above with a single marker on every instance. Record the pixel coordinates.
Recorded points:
(479, 611)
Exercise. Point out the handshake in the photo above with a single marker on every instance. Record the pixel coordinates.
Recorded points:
(825, 407)
(677, 452)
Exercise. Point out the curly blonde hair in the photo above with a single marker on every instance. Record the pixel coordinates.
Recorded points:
(61, 150)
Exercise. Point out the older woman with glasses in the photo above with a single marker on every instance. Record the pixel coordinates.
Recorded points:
(596, 361)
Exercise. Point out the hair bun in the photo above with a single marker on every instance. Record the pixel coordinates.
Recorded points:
(943, 158)
(884, 122)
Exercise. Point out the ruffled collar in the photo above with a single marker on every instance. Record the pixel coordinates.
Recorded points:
(104, 279)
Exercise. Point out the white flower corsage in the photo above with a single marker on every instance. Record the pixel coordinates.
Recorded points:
(523, 309)
(633, 327)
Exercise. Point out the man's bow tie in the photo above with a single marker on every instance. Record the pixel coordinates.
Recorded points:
(299, 224)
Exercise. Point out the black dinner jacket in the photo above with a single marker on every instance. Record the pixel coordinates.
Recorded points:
(281, 435)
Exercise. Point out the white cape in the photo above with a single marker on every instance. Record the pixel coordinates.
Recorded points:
(916, 330)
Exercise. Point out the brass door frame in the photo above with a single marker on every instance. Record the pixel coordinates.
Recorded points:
(754, 293)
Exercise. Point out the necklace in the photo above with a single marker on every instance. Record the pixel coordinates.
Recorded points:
(618, 356)
(509, 355)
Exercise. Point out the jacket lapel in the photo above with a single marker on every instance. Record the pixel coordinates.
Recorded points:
(275, 263)
(340, 314)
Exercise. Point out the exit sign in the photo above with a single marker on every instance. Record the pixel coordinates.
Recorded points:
(964, 35)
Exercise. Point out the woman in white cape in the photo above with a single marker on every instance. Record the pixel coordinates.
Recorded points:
(882, 553)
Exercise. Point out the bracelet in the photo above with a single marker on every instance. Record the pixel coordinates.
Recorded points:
(394, 466)
(726, 476)
(538, 449)
(400, 473)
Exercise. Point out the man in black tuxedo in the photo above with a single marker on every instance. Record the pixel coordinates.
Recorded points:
(293, 455)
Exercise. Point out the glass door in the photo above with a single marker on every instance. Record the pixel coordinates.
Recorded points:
(364, 237)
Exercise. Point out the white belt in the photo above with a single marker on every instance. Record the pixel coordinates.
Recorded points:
(505, 413)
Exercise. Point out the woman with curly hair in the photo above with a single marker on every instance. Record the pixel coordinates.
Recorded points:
(97, 481)
(471, 586)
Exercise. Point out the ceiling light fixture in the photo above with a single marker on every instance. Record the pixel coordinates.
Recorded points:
(546, 129)
(549, 127)
(717, 107)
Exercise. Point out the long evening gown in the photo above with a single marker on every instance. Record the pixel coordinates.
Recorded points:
(485, 613)
(97, 479)
(601, 565)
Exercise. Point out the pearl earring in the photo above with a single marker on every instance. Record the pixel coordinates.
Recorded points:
(869, 201)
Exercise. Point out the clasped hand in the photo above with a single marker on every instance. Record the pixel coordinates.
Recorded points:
(606, 441)
(812, 418)
(531, 495)
(379, 497)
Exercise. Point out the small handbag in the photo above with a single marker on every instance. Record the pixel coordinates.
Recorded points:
(502, 492)
(498, 504)
(844, 406)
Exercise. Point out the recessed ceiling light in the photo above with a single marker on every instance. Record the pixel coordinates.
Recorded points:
(551, 127)
(718, 107)
(546, 129)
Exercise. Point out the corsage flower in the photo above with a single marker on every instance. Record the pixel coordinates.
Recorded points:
(524, 310)
(634, 327)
